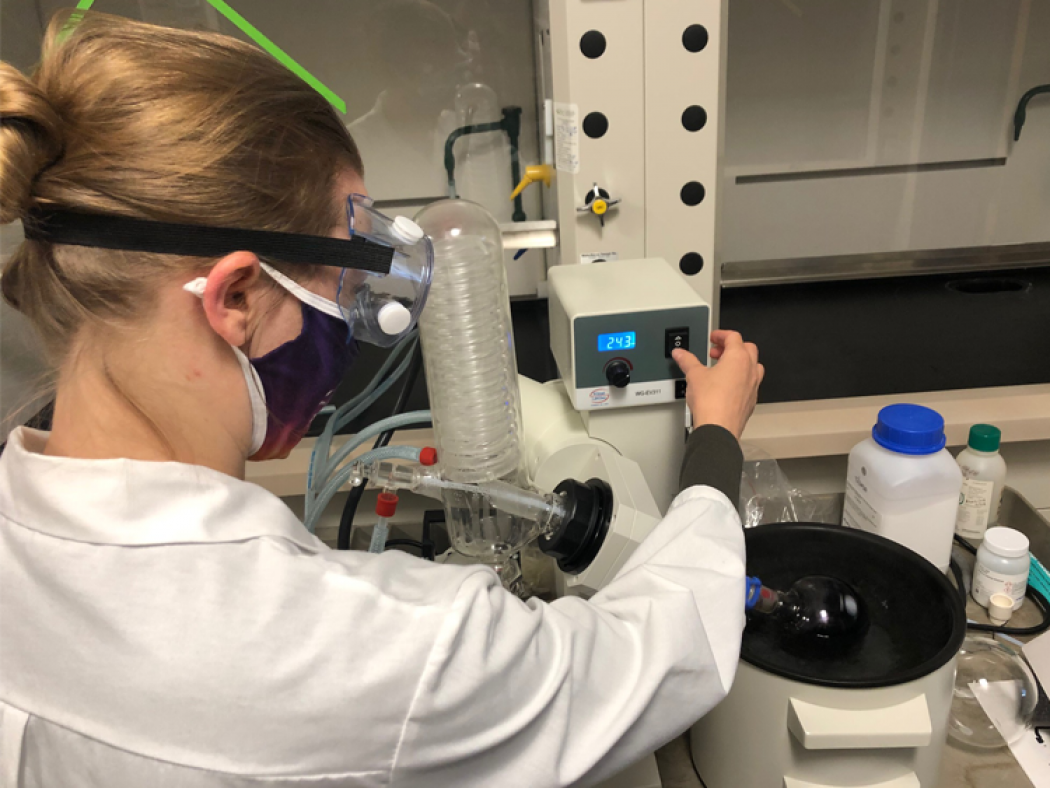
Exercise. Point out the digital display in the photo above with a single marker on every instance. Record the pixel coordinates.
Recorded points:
(622, 341)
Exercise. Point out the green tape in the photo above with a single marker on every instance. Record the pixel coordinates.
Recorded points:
(257, 36)
(74, 20)
(249, 30)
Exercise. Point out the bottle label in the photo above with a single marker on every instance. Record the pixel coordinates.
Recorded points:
(975, 506)
(857, 512)
(987, 582)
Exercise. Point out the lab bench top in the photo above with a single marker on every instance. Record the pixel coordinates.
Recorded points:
(820, 428)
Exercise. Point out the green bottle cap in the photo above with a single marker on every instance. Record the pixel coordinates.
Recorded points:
(984, 437)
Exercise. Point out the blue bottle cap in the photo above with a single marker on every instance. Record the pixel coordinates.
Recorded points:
(909, 429)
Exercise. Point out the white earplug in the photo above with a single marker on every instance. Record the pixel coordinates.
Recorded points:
(196, 287)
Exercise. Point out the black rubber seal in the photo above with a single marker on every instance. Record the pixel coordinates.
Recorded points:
(581, 535)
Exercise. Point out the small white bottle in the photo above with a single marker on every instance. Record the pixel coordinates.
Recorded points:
(984, 477)
(902, 484)
(1002, 566)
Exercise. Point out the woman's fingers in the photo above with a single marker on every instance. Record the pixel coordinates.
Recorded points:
(685, 360)
(725, 393)
(723, 341)
(725, 338)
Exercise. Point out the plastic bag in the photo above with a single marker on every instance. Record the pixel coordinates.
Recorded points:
(767, 496)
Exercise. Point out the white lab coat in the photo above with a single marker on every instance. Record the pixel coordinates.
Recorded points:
(166, 625)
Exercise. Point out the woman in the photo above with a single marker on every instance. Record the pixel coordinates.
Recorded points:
(165, 623)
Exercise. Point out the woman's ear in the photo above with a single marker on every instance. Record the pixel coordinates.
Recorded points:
(226, 296)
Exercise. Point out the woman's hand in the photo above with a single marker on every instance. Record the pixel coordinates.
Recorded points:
(724, 394)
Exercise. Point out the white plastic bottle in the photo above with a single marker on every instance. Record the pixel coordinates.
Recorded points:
(984, 477)
(903, 485)
(1002, 566)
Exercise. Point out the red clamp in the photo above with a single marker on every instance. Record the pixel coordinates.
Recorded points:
(428, 456)
(386, 504)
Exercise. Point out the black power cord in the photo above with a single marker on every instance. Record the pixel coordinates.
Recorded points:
(353, 500)
(1022, 107)
(425, 545)
(1036, 597)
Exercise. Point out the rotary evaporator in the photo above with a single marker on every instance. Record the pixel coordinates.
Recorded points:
(583, 467)
(575, 450)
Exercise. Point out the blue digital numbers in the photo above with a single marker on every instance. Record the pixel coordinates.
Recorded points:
(625, 340)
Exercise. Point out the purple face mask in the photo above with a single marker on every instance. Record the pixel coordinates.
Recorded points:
(289, 385)
(298, 379)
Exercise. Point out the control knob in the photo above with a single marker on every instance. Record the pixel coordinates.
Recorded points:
(618, 373)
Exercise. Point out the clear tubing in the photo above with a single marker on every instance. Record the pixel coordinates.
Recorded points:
(315, 506)
(375, 428)
(379, 535)
(320, 462)
(541, 512)
(472, 377)
(328, 486)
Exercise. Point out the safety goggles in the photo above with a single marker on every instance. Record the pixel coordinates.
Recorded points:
(383, 308)
(387, 263)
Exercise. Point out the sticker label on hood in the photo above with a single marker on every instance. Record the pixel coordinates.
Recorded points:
(567, 137)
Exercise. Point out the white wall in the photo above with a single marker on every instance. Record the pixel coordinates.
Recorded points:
(20, 32)
(22, 368)
(23, 371)
(816, 85)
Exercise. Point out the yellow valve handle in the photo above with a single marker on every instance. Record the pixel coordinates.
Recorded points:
(534, 173)
(599, 207)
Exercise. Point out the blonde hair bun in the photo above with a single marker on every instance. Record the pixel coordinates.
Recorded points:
(128, 119)
(30, 140)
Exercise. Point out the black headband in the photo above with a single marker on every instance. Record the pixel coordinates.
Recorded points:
(105, 231)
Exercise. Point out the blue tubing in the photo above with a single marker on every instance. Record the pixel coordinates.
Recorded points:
(348, 411)
(409, 453)
(389, 423)
(355, 407)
